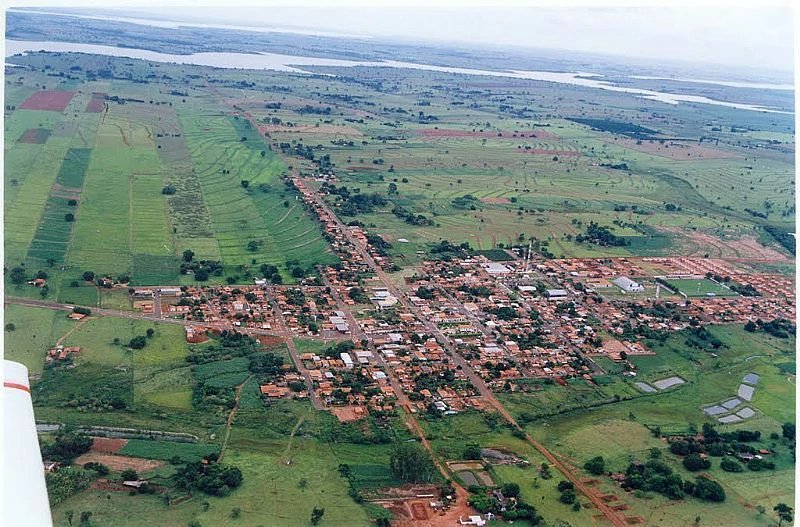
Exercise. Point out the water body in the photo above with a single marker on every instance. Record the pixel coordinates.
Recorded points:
(293, 64)
(730, 84)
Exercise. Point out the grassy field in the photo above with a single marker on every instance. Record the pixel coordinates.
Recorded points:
(703, 287)
(620, 433)
(35, 331)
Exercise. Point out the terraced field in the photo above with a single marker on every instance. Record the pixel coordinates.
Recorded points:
(265, 212)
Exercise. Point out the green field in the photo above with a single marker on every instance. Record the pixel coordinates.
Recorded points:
(700, 287)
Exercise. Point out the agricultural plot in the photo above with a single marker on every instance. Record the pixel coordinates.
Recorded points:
(24, 212)
(36, 136)
(166, 450)
(103, 237)
(51, 241)
(48, 100)
(264, 213)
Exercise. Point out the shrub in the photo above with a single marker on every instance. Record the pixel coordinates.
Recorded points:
(595, 466)
(729, 465)
(694, 462)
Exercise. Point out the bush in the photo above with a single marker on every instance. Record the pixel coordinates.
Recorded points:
(510, 490)
(67, 446)
(705, 489)
(129, 475)
(694, 462)
(568, 497)
(565, 485)
(472, 451)
(729, 465)
(211, 478)
(138, 342)
(595, 466)
(100, 468)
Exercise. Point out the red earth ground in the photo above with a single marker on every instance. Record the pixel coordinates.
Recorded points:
(97, 103)
(50, 100)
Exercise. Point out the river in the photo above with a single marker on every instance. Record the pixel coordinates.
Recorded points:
(293, 64)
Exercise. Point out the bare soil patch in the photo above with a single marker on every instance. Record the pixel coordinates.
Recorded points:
(348, 413)
(697, 243)
(120, 463)
(269, 340)
(107, 445)
(495, 201)
(97, 103)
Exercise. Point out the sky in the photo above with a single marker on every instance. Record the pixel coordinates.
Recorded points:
(733, 34)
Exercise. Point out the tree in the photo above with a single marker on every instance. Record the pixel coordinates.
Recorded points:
(472, 451)
(729, 465)
(707, 489)
(236, 512)
(595, 466)
(195, 523)
(137, 342)
(392, 188)
(410, 463)
(67, 446)
(129, 475)
(17, 275)
(245, 184)
(316, 515)
(565, 485)
(188, 255)
(568, 497)
(788, 431)
(784, 513)
(88, 276)
(252, 246)
(168, 190)
(303, 483)
(86, 518)
(510, 490)
(694, 462)
(655, 453)
(10, 327)
(69, 217)
(150, 332)
(750, 326)
(69, 515)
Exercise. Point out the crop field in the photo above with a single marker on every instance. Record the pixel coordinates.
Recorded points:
(264, 213)
(48, 100)
(166, 450)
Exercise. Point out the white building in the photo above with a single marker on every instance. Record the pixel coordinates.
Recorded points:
(628, 285)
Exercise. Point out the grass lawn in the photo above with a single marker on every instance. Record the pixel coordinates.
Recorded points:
(702, 287)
